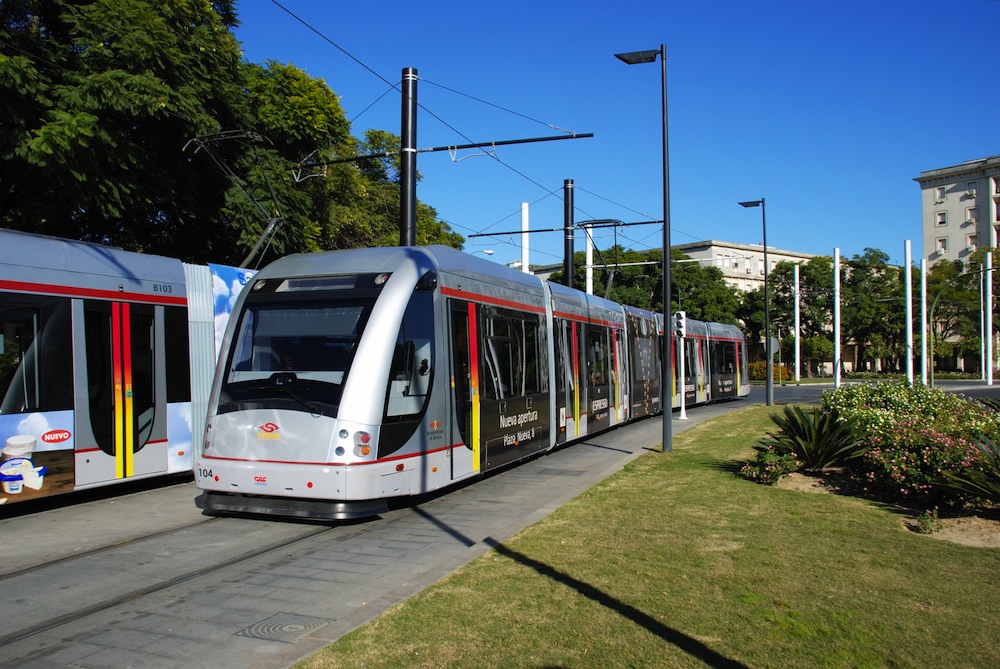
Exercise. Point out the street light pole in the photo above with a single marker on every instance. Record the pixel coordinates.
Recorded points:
(769, 376)
(666, 361)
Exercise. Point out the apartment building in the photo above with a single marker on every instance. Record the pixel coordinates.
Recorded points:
(961, 209)
(742, 265)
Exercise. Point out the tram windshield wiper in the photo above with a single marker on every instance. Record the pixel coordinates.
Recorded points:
(309, 404)
(282, 382)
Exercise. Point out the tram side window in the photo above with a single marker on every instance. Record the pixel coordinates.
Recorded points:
(412, 367)
(36, 354)
(599, 363)
(643, 352)
(724, 360)
(564, 379)
(513, 360)
(177, 354)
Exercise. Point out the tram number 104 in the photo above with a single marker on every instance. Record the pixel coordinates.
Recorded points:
(205, 473)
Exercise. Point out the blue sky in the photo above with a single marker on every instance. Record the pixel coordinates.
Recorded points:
(828, 110)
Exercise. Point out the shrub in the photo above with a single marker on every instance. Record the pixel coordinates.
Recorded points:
(909, 461)
(758, 372)
(980, 479)
(918, 438)
(769, 466)
(818, 439)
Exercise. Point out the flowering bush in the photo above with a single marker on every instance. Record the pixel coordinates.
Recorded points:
(915, 437)
(769, 466)
(980, 480)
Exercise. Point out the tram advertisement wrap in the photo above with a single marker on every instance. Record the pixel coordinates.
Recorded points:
(514, 428)
(37, 454)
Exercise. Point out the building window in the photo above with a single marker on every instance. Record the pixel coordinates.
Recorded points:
(970, 243)
(970, 189)
(970, 215)
(941, 217)
(942, 245)
(939, 194)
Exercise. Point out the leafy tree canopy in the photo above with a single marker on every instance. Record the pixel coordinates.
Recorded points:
(136, 123)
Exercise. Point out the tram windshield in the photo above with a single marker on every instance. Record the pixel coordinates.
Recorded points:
(295, 353)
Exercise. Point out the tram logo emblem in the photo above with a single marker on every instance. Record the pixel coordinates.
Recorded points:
(435, 425)
(268, 431)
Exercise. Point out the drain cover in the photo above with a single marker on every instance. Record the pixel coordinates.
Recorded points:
(284, 627)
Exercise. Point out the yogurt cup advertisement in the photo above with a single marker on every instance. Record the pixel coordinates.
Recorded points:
(36, 453)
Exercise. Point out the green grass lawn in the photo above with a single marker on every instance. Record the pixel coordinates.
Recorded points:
(677, 562)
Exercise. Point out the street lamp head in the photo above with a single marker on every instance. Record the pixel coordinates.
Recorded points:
(752, 203)
(636, 57)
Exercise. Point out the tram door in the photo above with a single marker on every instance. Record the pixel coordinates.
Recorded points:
(567, 383)
(599, 376)
(117, 420)
(464, 382)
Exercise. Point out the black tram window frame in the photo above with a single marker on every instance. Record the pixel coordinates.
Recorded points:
(36, 375)
(513, 360)
(177, 350)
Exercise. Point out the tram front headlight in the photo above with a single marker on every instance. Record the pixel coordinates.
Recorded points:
(362, 443)
(208, 436)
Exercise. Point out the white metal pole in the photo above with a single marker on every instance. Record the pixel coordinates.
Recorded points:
(908, 278)
(989, 317)
(982, 323)
(836, 317)
(588, 231)
(923, 321)
(524, 239)
(797, 324)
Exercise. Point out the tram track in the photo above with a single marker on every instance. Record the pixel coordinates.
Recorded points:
(134, 594)
(100, 549)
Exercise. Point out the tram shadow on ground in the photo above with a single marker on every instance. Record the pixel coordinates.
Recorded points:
(689, 645)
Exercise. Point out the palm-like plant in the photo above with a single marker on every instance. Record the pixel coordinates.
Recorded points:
(819, 439)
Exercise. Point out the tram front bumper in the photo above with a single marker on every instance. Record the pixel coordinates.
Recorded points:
(222, 502)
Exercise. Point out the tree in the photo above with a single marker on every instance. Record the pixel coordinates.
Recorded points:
(101, 99)
(953, 292)
(105, 96)
(815, 309)
(815, 296)
(871, 309)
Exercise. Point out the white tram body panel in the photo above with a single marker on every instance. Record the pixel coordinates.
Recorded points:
(350, 377)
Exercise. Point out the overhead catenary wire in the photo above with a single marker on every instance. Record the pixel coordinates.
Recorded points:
(470, 144)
